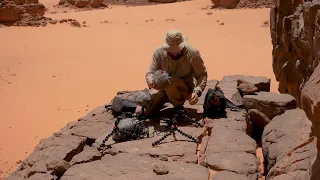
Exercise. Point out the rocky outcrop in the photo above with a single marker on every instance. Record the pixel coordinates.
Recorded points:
(295, 32)
(282, 135)
(28, 13)
(12, 10)
(83, 4)
(232, 4)
(227, 149)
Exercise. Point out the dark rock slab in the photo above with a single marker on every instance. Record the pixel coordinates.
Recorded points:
(269, 103)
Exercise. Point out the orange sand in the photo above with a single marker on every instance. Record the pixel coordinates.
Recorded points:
(52, 75)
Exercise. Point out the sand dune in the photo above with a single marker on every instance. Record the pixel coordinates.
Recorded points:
(56, 74)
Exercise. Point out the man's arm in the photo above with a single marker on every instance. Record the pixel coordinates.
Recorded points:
(200, 71)
(155, 65)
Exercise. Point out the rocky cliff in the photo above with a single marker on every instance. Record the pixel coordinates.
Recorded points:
(295, 32)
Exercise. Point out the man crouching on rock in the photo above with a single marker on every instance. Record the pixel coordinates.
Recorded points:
(188, 74)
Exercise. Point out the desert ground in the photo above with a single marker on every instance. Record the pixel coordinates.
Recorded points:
(55, 74)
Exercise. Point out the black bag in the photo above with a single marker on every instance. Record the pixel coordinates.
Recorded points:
(215, 104)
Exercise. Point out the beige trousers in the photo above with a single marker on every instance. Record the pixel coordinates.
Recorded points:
(177, 93)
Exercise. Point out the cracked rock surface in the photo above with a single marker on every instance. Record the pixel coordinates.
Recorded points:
(226, 149)
(282, 135)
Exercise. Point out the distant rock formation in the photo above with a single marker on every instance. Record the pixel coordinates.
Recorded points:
(14, 10)
(83, 4)
(235, 4)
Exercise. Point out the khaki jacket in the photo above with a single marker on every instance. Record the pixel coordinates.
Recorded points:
(190, 67)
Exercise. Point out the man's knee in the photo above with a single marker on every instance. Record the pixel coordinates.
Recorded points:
(158, 98)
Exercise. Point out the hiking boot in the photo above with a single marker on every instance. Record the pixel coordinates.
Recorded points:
(179, 109)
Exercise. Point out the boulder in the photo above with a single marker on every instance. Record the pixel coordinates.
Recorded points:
(260, 82)
(229, 86)
(160, 169)
(283, 135)
(247, 88)
(269, 103)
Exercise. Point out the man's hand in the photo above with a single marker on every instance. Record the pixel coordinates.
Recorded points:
(194, 99)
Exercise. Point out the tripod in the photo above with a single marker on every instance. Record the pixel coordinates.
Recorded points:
(115, 128)
(174, 127)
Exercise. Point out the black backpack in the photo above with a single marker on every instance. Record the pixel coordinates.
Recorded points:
(215, 104)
